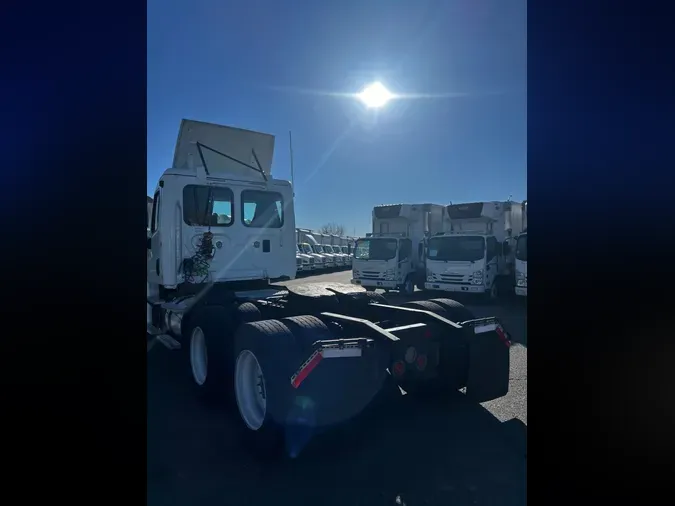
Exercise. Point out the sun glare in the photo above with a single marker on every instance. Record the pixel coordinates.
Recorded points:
(375, 95)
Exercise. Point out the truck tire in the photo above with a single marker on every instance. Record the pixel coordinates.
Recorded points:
(492, 294)
(456, 312)
(408, 287)
(267, 355)
(426, 305)
(454, 352)
(307, 330)
(209, 351)
(248, 312)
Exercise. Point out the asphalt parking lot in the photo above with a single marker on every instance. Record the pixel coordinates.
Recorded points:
(411, 452)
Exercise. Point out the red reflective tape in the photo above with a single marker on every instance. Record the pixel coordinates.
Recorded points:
(502, 335)
(306, 369)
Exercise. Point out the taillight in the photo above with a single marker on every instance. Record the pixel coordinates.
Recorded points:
(398, 369)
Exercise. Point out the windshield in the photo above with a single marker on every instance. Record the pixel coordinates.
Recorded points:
(521, 248)
(297, 248)
(317, 248)
(327, 249)
(344, 250)
(375, 249)
(457, 248)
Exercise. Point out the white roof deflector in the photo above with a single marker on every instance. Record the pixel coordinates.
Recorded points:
(224, 150)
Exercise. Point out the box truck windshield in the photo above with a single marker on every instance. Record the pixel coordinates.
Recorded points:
(375, 249)
(456, 248)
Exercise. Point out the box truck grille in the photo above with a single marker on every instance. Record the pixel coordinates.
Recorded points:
(455, 278)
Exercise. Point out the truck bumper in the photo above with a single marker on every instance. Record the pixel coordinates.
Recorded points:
(373, 283)
(520, 290)
(449, 287)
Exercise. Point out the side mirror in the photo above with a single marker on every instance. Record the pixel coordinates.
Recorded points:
(506, 248)
(149, 243)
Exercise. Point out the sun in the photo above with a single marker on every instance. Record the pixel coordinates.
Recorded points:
(375, 95)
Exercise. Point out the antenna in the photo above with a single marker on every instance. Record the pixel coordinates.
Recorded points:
(290, 145)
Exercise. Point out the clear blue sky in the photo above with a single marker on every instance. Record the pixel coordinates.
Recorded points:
(260, 65)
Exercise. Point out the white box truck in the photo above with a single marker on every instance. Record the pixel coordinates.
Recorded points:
(521, 257)
(475, 254)
(222, 233)
(392, 256)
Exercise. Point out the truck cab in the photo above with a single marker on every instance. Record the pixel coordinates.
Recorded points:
(384, 262)
(474, 256)
(220, 218)
(316, 260)
(392, 256)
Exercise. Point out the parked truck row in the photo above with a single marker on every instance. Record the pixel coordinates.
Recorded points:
(458, 248)
(322, 252)
(281, 358)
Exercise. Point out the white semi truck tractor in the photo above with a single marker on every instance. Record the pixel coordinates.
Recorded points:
(521, 257)
(475, 254)
(392, 256)
(223, 237)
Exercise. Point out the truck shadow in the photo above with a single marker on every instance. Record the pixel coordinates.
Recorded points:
(423, 451)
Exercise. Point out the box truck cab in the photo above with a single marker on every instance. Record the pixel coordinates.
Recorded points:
(307, 261)
(475, 254)
(392, 256)
(383, 262)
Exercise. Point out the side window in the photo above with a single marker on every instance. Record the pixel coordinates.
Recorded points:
(207, 206)
(154, 224)
(491, 248)
(260, 209)
(384, 228)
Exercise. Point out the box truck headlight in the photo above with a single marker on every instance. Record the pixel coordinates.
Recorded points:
(389, 275)
(521, 279)
(477, 278)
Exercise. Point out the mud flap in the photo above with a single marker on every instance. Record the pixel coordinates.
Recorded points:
(489, 360)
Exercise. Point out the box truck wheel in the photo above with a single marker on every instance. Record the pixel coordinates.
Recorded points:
(408, 288)
(209, 350)
(493, 294)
